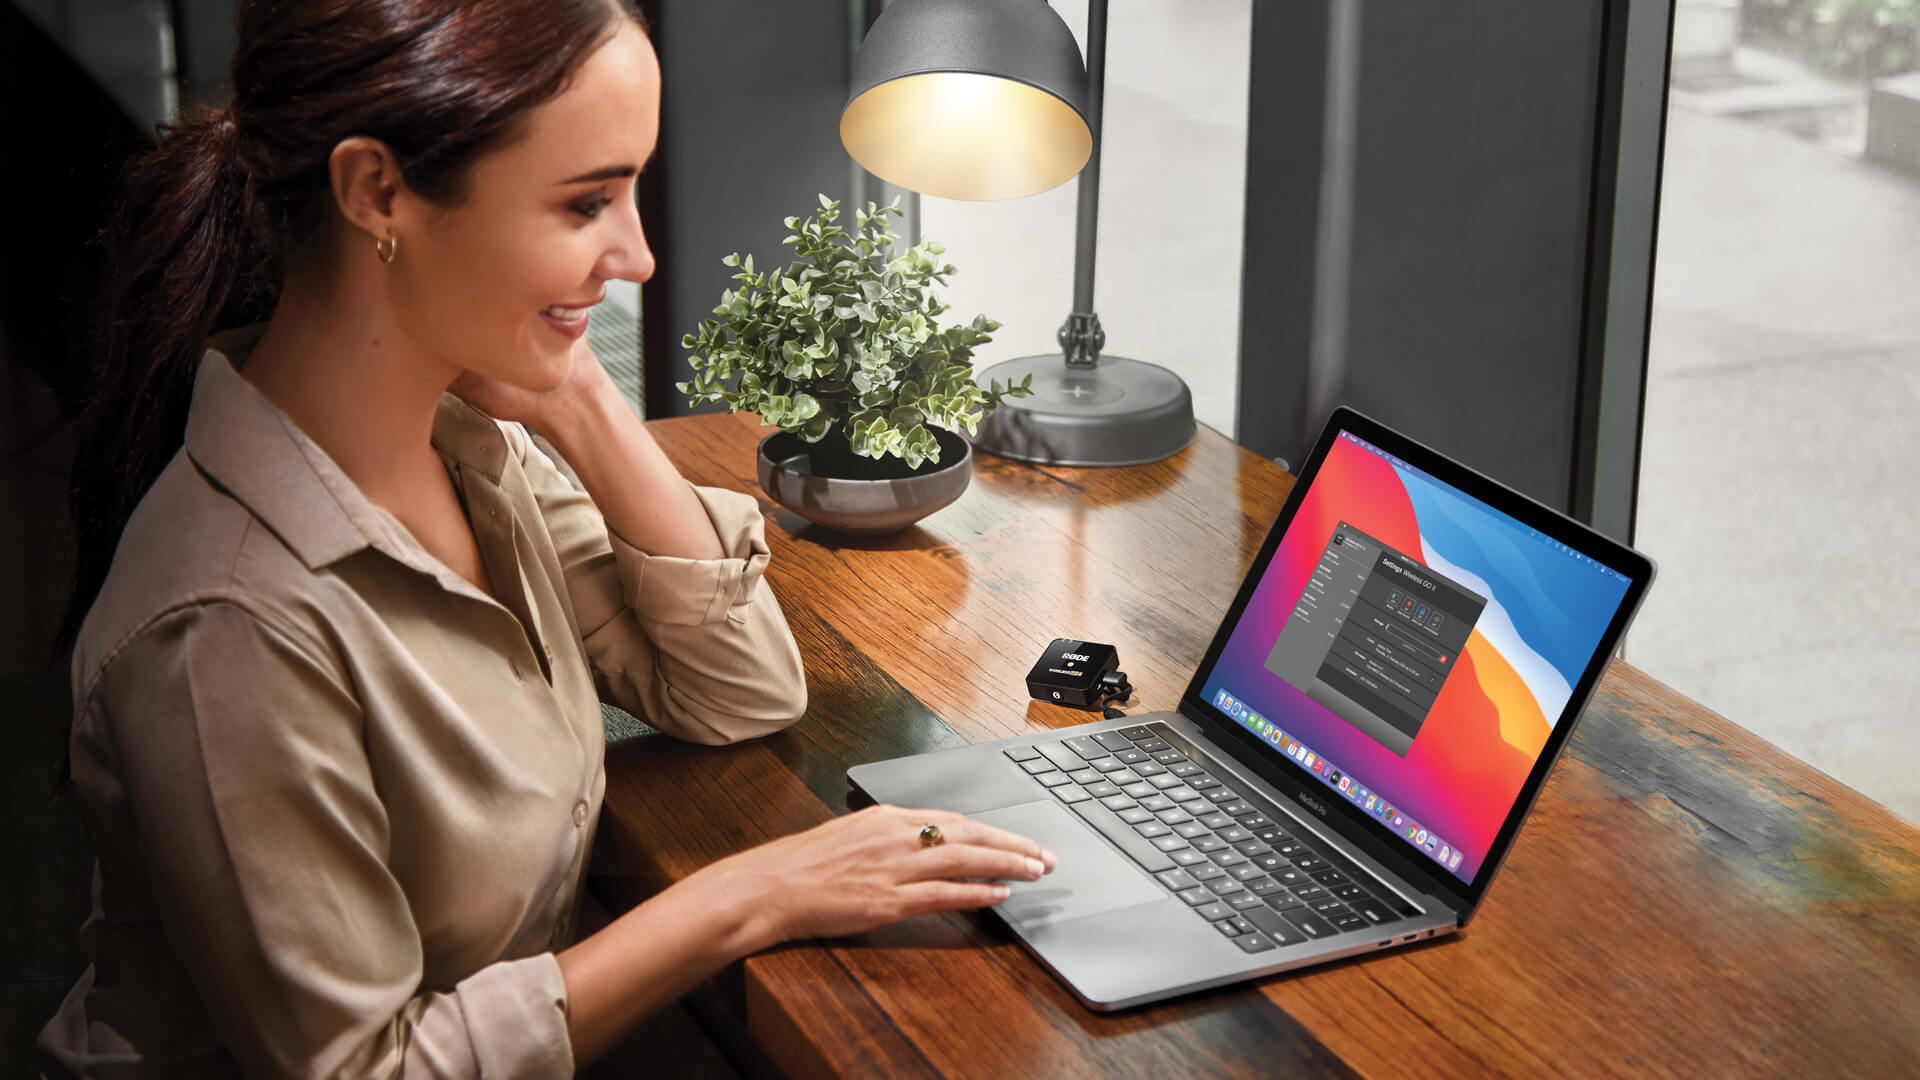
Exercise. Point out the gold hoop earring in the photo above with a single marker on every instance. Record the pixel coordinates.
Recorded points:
(387, 247)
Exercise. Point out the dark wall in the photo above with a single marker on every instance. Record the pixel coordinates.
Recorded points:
(1463, 286)
(749, 134)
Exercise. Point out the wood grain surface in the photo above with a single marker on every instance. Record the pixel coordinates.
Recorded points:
(1686, 900)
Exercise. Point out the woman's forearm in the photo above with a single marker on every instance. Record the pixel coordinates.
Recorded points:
(640, 493)
(649, 957)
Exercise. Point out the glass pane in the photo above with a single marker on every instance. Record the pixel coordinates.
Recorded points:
(1776, 487)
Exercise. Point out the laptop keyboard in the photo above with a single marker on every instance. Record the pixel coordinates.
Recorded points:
(1216, 848)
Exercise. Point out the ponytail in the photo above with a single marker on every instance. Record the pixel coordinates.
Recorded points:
(178, 248)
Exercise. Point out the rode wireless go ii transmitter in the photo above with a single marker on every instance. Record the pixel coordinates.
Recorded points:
(1078, 673)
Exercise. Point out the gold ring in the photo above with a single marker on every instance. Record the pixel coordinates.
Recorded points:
(930, 835)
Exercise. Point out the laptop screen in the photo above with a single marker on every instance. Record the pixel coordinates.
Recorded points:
(1412, 648)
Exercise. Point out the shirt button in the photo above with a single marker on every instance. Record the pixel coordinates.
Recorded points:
(579, 813)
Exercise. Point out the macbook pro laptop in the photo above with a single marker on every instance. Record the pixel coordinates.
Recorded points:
(1349, 764)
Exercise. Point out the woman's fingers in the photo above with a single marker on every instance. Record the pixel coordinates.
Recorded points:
(970, 861)
(927, 897)
(960, 829)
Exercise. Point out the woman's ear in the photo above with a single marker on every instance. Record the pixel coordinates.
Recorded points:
(366, 184)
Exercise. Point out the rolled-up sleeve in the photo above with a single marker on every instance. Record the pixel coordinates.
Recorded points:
(696, 647)
(240, 753)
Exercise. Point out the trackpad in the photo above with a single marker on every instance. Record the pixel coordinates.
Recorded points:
(1090, 877)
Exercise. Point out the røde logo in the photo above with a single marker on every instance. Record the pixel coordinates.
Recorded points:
(1077, 656)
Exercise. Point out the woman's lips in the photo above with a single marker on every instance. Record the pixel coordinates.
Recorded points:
(572, 322)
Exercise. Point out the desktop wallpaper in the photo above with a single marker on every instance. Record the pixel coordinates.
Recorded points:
(1545, 615)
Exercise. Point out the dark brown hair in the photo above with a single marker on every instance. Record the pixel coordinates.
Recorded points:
(208, 223)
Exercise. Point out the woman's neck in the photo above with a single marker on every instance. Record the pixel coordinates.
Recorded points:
(356, 385)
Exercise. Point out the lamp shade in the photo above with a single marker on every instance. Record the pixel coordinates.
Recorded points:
(969, 99)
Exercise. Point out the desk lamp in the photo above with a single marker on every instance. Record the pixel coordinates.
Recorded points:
(986, 99)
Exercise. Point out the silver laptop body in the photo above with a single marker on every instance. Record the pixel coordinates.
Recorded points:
(1221, 853)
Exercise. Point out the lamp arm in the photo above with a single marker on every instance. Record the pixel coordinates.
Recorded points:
(1081, 338)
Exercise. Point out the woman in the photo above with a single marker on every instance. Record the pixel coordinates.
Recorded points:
(337, 736)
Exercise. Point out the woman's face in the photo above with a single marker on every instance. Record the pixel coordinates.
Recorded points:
(501, 284)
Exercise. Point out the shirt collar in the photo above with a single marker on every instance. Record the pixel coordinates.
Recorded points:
(253, 450)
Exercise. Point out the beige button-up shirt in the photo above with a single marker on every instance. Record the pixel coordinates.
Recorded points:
(341, 799)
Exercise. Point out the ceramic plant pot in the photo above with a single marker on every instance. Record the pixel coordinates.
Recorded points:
(829, 485)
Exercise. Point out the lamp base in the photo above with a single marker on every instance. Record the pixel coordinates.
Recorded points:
(1122, 412)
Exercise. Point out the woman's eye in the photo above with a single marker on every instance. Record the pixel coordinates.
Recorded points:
(591, 208)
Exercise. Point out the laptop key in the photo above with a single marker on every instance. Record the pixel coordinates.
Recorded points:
(1117, 802)
(1374, 911)
(1225, 886)
(1086, 747)
(1073, 793)
(1268, 862)
(1151, 745)
(1139, 790)
(1152, 830)
(1292, 849)
(1253, 943)
(1182, 795)
(1113, 740)
(1226, 857)
(1135, 816)
(1132, 757)
(1235, 834)
(1284, 904)
(1176, 879)
(1265, 887)
(1255, 821)
(1168, 843)
(1226, 927)
(1246, 872)
(1085, 776)
(1312, 894)
(1164, 781)
(1269, 922)
(1147, 768)
(1061, 757)
(1023, 753)
(1187, 857)
(1216, 820)
(1252, 848)
(1244, 900)
(1346, 921)
(1223, 794)
(1174, 816)
(1306, 861)
(1271, 836)
(1328, 877)
(1205, 871)
(1118, 833)
(1202, 781)
(1170, 757)
(1215, 911)
(1108, 765)
(1120, 775)
(1349, 891)
(1287, 875)
(1329, 906)
(1238, 807)
(1137, 732)
(1100, 789)
(1037, 765)
(1190, 829)
(1209, 844)
(1184, 768)
(1195, 896)
(1053, 779)
(1155, 802)
(1309, 924)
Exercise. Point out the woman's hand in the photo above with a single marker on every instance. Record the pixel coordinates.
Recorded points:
(869, 869)
(545, 412)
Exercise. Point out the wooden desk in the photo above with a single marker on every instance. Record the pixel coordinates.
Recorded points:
(1686, 899)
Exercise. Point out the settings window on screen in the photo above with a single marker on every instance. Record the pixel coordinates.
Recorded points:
(1374, 635)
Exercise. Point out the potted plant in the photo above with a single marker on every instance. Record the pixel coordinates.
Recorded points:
(842, 352)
